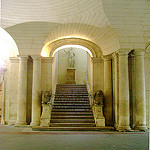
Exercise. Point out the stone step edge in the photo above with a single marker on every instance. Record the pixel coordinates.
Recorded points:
(73, 128)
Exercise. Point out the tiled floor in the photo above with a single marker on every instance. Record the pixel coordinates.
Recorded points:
(13, 138)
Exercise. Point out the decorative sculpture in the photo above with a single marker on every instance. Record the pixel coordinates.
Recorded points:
(46, 108)
(99, 98)
(46, 96)
(71, 59)
(98, 109)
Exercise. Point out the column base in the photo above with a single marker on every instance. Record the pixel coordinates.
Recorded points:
(124, 128)
(20, 123)
(141, 128)
(2, 122)
(35, 123)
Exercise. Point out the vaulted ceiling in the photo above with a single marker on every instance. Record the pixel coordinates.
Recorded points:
(104, 22)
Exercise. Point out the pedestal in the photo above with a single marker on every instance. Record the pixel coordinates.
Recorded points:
(45, 118)
(98, 115)
(71, 76)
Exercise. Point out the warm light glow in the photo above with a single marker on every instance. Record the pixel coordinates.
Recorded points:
(74, 46)
(8, 47)
(44, 52)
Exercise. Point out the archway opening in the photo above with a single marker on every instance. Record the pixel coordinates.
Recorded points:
(72, 65)
(52, 48)
(8, 48)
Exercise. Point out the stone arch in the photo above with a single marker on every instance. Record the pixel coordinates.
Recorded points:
(50, 47)
(7, 43)
(148, 47)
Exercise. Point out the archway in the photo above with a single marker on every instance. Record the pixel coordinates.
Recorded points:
(8, 48)
(50, 49)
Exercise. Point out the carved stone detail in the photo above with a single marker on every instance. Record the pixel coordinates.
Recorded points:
(98, 98)
(46, 108)
(98, 109)
(46, 96)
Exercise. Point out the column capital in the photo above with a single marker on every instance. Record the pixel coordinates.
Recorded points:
(47, 59)
(139, 52)
(115, 55)
(97, 59)
(22, 57)
(123, 51)
(107, 58)
(14, 59)
(36, 57)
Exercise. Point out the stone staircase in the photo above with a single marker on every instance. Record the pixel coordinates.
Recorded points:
(72, 111)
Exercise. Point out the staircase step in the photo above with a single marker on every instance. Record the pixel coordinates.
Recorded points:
(72, 121)
(71, 99)
(71, 95)
(71, 102)
(72, 110)
(73, 128)
(71, 107)
(72, 125)
(72, 117)
(72, 113)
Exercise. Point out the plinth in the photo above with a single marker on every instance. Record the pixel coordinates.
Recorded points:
(98, 115)
(45, 118)
(71, 76)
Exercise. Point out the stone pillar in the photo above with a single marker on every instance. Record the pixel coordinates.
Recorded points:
(3, 98)
(140, 93)
(36, 91)
(116, 91)
(132, 88)
(98, 75)
(124, 117)
(22, 91)
(107, 90)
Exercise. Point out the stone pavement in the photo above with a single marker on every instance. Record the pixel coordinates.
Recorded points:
(15, 138)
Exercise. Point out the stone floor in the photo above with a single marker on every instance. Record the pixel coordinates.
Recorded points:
(15, 138)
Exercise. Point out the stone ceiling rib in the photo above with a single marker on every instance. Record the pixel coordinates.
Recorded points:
(80, 18)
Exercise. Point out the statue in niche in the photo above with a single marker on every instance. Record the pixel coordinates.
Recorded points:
(46, 96)
(98, 98)
(71, 58)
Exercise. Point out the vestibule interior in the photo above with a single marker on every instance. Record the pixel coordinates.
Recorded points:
(73, 59)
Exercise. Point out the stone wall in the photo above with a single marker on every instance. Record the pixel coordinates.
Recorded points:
(80, 65)
(12, 91)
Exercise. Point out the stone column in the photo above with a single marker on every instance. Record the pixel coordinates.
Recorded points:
(140, 93)
(124, 117)
(22, 91)
(3, 98)
(116, 103)
(108, 90)
(36, 91)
